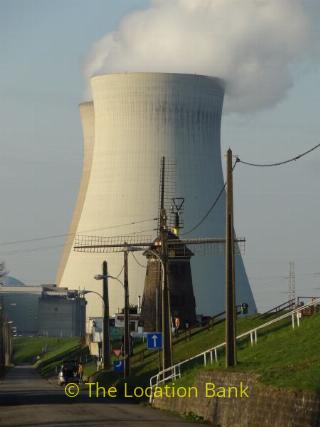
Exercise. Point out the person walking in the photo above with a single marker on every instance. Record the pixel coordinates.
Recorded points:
(80, 371)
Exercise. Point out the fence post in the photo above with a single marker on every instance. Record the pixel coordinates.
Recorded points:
(216, 355)
(292, 316)
(211, 357)
(255, 336)
(205, 359)
(251, 338)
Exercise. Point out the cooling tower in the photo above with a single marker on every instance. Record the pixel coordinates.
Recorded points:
(137, 119)
(87, 119)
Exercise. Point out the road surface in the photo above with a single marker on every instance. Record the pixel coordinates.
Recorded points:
(28, 400)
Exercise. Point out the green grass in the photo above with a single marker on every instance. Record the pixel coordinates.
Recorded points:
(284, 358)
(26, 349)
(90, 368)
(141, 370)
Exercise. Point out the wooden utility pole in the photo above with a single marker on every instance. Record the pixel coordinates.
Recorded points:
(231, 356)
(106, 333)
(166, 312)
(126, 317)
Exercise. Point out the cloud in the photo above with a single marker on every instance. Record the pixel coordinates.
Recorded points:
(253, 45)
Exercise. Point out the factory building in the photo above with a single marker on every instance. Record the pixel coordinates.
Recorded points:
(62, 313)
(42, 310)
(20, 305)
(133, 120)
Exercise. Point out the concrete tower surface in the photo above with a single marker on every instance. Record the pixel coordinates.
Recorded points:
(138, 118)
(87, 120)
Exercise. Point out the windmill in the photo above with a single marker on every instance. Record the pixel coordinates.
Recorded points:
(164, 247)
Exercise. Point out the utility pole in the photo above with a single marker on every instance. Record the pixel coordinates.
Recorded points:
(231, 357)
(166, 315)
(292, 282)
(126, 317)
(106, 334)
(2, 346)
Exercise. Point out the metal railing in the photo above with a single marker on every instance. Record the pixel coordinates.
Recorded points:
(291, 303)
(174, 372)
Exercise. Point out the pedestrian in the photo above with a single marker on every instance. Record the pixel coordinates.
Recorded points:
(80, 371)
(177, 325)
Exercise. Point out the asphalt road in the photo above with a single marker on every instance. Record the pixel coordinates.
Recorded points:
(26, 399)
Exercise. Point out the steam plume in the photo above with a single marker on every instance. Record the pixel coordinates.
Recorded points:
(251, 44)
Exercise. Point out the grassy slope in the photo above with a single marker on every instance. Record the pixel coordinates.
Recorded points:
(26, 350)
(286, 358)
(141, 371)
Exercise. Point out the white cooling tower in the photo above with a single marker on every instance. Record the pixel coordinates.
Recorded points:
(87, 120)
(137, 118)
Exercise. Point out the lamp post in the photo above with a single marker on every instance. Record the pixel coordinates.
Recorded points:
(126, 340)
(85, 292)
(106, 333)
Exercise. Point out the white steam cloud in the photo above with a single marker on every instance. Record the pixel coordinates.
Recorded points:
(251, 44)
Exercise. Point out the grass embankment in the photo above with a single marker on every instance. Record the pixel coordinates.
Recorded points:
(283, 357)
(52, 351)
(286, 358)
(185, 347)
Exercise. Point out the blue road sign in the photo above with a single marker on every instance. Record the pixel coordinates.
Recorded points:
(154, 340)
(118, 365)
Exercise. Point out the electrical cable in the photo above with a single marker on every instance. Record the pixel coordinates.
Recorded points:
(18, 251)
(134, 257)
(55, 236)
(238, 160)
(118, 275)
(211, 207)
(40, 248)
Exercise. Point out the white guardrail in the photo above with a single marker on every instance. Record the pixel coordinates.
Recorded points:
(174, 371)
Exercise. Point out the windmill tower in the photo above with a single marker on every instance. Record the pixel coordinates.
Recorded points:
(182, 300)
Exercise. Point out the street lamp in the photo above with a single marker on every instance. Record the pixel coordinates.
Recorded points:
(85, 292)
(105, 297)
(126, 340)
(126, 312)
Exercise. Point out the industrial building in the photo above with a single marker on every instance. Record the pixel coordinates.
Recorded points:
(133, 120)
(20, 305)
(42, 310)
(62, 313)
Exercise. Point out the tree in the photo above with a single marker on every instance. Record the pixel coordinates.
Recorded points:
(3, 271)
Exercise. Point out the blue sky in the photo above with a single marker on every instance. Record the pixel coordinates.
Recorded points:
(43, 48)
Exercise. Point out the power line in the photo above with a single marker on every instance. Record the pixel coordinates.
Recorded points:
(40, 248)
(118, 275)
(278, 163)
(135, 258)
(211, 207)
(18, 251)
(55, 236)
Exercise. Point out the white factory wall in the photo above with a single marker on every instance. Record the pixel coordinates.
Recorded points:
(138, 118)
